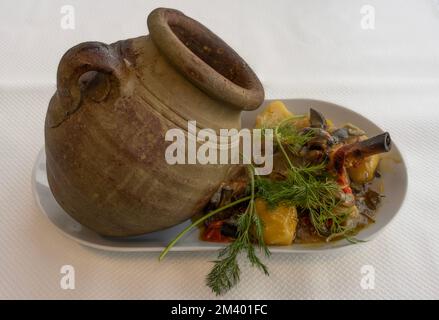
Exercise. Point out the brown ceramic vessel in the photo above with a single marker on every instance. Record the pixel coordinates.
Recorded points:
(105, 125)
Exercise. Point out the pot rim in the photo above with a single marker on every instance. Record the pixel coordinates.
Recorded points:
(205, 59)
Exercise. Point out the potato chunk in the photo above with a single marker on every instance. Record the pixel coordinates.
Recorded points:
(274, 113)
(279, 223)
(365, 170)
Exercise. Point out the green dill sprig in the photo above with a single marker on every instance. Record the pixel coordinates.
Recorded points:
(288, 135)
(198, 222)
(307, 187)
(300, 188)
(226, 272)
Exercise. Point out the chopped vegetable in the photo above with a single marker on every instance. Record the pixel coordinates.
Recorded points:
(279, 223)
(364, 171)
(275, 113)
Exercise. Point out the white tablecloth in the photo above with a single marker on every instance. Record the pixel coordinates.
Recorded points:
(300, 49)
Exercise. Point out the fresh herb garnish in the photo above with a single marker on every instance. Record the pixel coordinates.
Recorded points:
(198, 222)
(309, 187)
(225, 273)
(288, 135)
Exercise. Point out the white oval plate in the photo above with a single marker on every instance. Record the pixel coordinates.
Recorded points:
(394, 179)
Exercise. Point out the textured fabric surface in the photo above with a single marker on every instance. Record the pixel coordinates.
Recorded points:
(299, 49)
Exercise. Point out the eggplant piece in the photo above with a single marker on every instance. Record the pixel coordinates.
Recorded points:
(317, 119)
(352, 153)
(229, 230)
(317, 148)
(341, 134)
(372, 199)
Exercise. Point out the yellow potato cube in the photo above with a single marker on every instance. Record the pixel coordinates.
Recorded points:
(274, 113)
(329, 124)
(365, 170)
(280, 223)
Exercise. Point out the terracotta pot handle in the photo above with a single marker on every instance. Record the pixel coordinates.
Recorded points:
(82, 58)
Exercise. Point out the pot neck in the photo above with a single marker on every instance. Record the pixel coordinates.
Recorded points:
(204, 59)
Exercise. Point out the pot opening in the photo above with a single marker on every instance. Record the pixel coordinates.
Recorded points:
(213, 51)
(205, 59)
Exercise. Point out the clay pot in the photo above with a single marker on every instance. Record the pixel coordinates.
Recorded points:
(105, 126)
